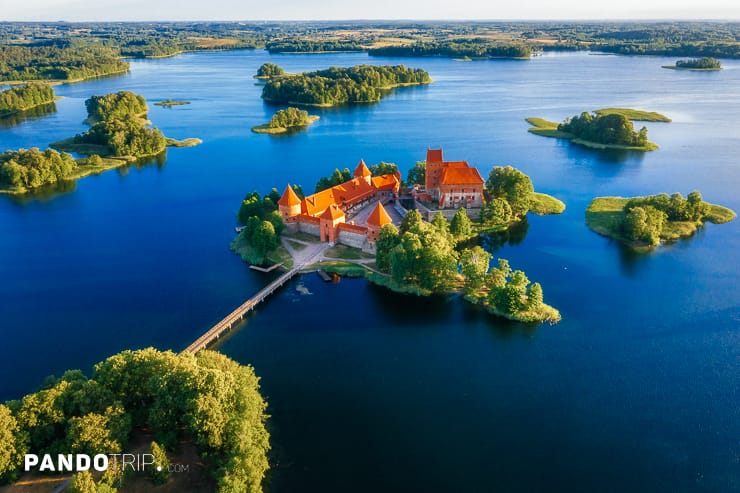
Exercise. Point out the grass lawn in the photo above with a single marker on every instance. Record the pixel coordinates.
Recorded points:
(347, 253)
(543, 204)
(634, 115)
(547, 128)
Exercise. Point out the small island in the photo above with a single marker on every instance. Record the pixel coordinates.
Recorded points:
(119, 135)
(269, 70)
(612, 130)
(18, 99)
(168, 103)
(702, 64)
(120, 129)
(355, 225)
(285, 120)
(336, 86)
(634, 115)
(643, 222)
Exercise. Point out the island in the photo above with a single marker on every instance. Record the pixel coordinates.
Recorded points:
(119, 129)
(119, 135)
(337, 86)
(410, 239)
(268, 70)
(644, 222)
(596, 131)
(167, 103)
(25, 97)
(704, 63)
(59, 63)
(285, 120)
(457, 48)
(634, 115)
(203, 410)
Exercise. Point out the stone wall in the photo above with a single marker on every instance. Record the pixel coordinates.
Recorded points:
(351, 238)
(428, 214)
(309, 228)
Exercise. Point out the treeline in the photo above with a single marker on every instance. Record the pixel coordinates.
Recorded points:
(289, 117)
(119, 105)
(336, 85)
(479, 48)
(33, 168)
(304, 45)
(163, 45)
(206, 398)
(21, 98)
(118, 126)
(706, 63)
(709, 49)
(59, 62)
(645, 217)
(610, 129)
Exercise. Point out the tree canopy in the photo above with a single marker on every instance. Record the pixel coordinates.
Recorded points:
(116, 106)
(269, 70)
(21, 98)
(33, 168)
(336, 85)
(513, 186)
(611, 129)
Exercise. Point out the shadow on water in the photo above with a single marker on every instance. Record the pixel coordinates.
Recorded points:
(491, 242)
(501, 327)
(53, 190)
(28, 115)
(609, 162)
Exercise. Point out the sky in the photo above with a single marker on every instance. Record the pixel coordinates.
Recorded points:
(174, 10)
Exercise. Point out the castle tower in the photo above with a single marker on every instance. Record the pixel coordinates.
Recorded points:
(328, 222)
(289, 205)
(362, 171)
(376, 220)
(435, 162)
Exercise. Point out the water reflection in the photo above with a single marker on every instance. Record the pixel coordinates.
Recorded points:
(28, 115)
(53, 190)
(491, 242)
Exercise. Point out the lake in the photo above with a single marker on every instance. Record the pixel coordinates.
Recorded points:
(635, 390)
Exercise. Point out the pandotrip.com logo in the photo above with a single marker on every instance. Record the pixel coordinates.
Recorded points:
(100, 462)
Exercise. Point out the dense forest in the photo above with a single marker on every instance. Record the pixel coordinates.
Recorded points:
(336, 85)
(706, 63)
(609, 129)
(303, 45)
(289, 117)
(33, 168)
(644, 217)
(21, 98)
(263, 225)
(207, 399)
(119, 105)
(421, 257)
(118, 126)
(476, 48)
(58, 62)
(127, 137)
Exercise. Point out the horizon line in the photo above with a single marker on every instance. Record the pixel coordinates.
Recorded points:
(360, 20)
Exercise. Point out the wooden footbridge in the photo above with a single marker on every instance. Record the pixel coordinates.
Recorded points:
(238, 315)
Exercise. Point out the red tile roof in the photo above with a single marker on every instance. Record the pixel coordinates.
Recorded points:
(379, 217)
(386, 182)
(460, 176)
(361, 169)
(351, 227)
(345, 194)
(289, 197)
(332, 212)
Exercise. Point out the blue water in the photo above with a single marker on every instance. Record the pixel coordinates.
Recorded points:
(635, 390)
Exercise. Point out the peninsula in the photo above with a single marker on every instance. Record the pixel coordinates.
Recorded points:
(337, 86)
(612, 128)
(644, 222)
(410, 239)
(286, 120)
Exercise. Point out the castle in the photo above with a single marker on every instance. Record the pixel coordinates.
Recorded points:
(324, 214)
(450, 184)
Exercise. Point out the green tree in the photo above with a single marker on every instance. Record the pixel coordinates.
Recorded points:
(383, 168)
(411, 221)
(513, 186)
(440, 223)
(82, 482)
(251, 206)
(264, 239)
(461, 226)
(269, 70)
(99, 433)
(474, 265)
(11, 449)
(496, 211)
(534, 296)
(417, 174)
(160, 472)
(387, 240)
